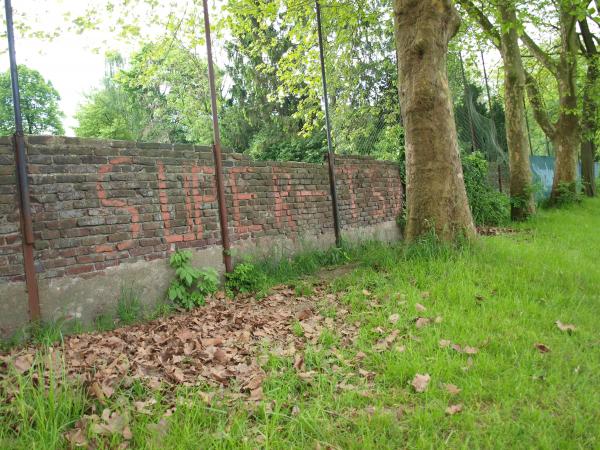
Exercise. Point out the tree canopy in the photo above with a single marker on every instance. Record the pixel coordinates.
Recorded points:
(39, 104)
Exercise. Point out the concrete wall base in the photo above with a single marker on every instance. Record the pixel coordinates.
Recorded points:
(85, 298)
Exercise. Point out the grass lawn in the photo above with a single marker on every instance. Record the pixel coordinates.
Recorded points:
(524, 382)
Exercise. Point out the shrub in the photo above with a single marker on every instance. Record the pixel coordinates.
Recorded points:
(246, 278)
(335, 255)
(566, 194)
(489, 207)
(191, 286)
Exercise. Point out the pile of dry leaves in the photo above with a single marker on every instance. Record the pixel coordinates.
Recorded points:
(216, 344)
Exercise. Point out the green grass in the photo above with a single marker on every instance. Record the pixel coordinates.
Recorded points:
(500, 294)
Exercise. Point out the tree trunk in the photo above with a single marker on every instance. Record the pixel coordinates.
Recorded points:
(590, 111)
(514, 104)
(566, 143)
(568, 132)
(436, 196)
(588, 170)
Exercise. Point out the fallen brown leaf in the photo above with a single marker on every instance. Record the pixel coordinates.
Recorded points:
(422, 322)
(420, 307)
(443, 343)
(76, 437)
(304, 314)
(367, 374)
(212, 342)
(454, 409)
(421, 382)
(299, 362)
(256, 394)
(565, 326)
(542, 348)
(23, 363)
(361, 355)
(452, 389)
(96, 391)
(394, 318)
(127, 434)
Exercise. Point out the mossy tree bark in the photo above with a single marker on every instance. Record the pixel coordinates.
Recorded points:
(436, 195)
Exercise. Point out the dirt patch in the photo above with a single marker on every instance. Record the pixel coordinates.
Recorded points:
(495, 231)
(329, 274)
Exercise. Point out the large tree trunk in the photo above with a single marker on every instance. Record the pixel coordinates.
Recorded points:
(516, 130)
(590, 112)
(568, 132)
(436, 196)
(566, 142)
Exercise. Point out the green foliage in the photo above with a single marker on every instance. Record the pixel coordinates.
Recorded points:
(162, 96)
(335, 255)
(273, 113)
(129, 306)
(566, 194)
(39, 413)
(532, 404)
(489, 207)
(39, 104)
(246, 278)
(191, 286)
(111, 112)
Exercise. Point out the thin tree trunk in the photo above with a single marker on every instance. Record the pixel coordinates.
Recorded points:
(514, 104)
(436, 196)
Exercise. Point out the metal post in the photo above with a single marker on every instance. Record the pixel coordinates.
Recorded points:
(468, 106)
(330, 153)
(217, 146)
(23, 183)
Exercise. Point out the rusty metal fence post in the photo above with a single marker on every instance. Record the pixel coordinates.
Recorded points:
(22, 181)
(330, 151)
(217, 147)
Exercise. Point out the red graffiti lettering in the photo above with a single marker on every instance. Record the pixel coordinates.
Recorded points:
(194, 199)
(281, 206)
(163, 199)
(120, 204)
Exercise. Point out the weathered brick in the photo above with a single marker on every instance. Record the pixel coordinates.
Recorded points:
(96, 203)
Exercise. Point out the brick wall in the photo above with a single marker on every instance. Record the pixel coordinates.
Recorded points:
(98, 204)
